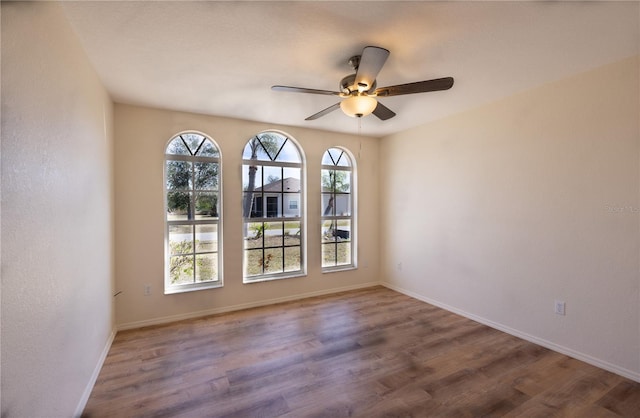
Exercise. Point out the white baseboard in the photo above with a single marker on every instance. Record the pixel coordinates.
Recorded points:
(214, 311)
(630, 374)
(94, 376)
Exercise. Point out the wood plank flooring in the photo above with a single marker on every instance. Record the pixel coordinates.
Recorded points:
(366, 353)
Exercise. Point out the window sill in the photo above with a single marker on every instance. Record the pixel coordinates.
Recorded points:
(338, 268)
(192, 287)
(260, 279)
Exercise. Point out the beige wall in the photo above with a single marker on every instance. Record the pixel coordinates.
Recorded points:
(494, 213)
(57, 315)
(140, 139)
(500, 211)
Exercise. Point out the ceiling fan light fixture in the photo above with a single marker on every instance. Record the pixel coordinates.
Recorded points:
(358, 106)
(359, 91)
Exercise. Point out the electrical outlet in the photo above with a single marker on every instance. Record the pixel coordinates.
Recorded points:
(399, 266)
(560, 307)
(147, 290)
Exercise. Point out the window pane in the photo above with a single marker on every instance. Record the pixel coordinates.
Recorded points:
(208, 150)
(342, 181)
(274, 205)
(181, 269)
(251, 205)
(206, 176)
(180, 239)
(291, 205)
(328, 228)
(343, 205)
(273, 234)
(292, 259)
(254, 235)
(251, 177)
(178, 175)
(177, 147)
(206, 205)
(272, 179)
(178, 206)
(206, 238)
(252, 262)
(294, 174)
(273, 260)
(328, 255)
(344, 253)
(326, 178)
(327, 204)
(206, 267)
(343, 231)
(292, 233)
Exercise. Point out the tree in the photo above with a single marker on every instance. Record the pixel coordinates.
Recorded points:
(178, 176)
(206, 179)
(336, 181)
(265, 144)
(185, 176)
(272, 179)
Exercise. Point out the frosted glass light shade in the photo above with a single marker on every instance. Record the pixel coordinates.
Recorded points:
(358, 106)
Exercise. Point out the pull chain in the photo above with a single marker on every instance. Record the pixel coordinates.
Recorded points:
(360, 135)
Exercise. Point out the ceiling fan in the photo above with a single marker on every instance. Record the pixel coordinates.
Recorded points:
(360, 92)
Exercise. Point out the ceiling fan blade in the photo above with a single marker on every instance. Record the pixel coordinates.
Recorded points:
(324, 112)
(383, 112)
(304, 90)
(417, 87)
(371, 62)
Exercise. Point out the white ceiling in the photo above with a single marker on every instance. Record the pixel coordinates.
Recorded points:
(221, 58)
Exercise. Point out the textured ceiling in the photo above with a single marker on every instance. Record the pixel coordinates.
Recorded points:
(221, 58)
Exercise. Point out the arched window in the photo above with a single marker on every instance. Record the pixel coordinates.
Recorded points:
(193, 219)
(272, 208)
(338, 221)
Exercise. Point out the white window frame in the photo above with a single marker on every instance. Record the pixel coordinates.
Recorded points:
(265, 218)
(335, 218)
(170, 288)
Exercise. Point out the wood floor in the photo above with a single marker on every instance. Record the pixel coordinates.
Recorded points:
(366, 353)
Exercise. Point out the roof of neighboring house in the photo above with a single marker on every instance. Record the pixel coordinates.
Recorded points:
(289, 184)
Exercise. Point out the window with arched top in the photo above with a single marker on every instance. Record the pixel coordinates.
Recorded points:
(272, 208)
(337, 210)
(192, 213)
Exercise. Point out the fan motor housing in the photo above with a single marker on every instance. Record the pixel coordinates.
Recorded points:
(348, 85)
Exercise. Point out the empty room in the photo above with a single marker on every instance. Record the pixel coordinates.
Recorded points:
(320, 209)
